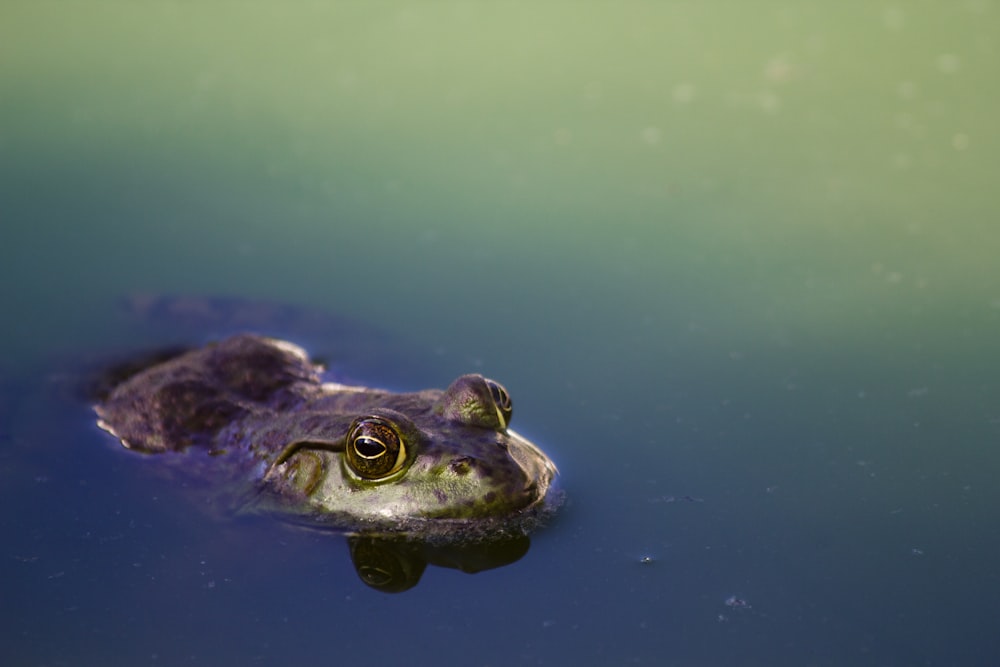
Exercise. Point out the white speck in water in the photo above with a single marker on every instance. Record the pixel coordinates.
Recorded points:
(734, 602)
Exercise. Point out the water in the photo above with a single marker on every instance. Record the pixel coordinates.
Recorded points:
(737, 266)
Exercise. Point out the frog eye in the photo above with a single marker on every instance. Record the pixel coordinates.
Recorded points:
(374, 449)
(501, 399)
(476, 401)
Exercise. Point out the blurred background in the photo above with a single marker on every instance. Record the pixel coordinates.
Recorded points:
(736, 262)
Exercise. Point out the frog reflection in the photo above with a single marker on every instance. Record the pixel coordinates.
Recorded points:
(395, 564)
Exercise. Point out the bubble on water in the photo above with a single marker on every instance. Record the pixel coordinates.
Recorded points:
(778, 69)
(901, 161)
(893, 18)
(683, 93)
(949, 63)
(593, 91)
(768, 102)
(651, 135)
(906, 89)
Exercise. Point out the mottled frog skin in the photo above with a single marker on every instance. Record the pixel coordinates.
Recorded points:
(266, 424)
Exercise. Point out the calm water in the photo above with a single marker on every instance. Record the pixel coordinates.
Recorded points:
(736, 262)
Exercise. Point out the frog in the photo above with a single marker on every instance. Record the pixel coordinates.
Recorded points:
(268, 426)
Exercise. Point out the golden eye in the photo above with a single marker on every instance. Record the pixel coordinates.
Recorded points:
(501, 399)
(374, 448)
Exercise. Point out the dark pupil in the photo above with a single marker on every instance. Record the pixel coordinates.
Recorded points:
(369, 447)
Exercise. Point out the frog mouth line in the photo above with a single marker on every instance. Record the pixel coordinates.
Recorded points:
(305, 467)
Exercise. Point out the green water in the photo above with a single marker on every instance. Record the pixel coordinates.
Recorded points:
(743, 251)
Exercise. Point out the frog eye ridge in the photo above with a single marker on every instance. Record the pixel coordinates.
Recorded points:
(374, 449)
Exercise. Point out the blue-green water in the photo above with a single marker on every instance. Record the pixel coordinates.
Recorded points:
(738, 252)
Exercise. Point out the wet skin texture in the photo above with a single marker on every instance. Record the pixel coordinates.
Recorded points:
(332, 455)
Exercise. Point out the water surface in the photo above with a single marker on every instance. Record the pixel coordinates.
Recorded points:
(736, 263)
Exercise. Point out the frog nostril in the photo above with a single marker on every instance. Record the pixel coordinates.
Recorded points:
(461, 465)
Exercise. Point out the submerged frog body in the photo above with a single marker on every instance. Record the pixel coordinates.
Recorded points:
(333, 455)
